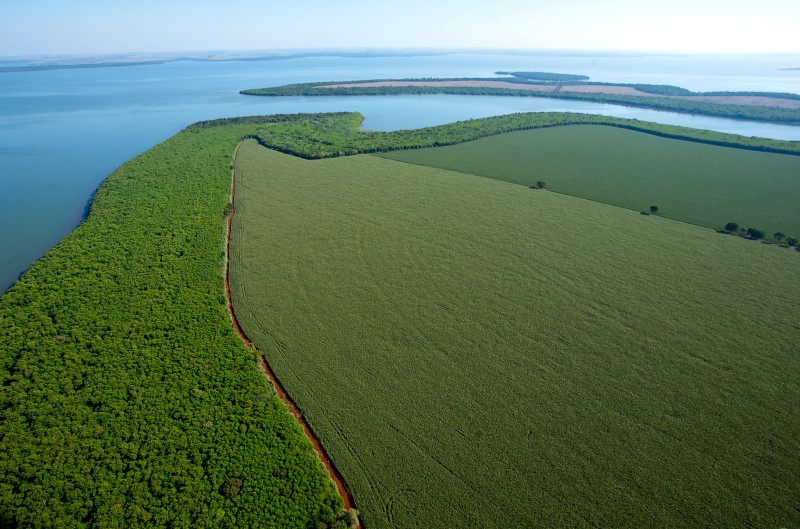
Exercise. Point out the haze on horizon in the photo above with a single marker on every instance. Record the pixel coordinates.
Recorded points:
(101, 27)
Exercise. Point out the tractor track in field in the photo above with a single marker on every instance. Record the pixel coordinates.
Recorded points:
(336, 478)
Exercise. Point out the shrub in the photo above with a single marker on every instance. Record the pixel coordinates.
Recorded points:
(349, 518)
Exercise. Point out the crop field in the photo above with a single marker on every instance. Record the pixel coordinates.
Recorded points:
(474, 353)
(700, 184)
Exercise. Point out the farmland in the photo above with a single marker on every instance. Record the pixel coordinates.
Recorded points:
(473, 353)
(700, 184)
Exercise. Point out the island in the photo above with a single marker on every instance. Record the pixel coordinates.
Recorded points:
(772, 107)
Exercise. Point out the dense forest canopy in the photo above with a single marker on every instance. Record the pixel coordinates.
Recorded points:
(127, 398)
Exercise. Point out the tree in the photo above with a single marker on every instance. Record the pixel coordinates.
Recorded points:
(778, 236)
(791, 241)
(539, 185)
(654, 210)
(731, 227)
(231, 488)
(755, 233)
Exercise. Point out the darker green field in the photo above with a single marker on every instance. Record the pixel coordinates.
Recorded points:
(700, 184)
(476, 354)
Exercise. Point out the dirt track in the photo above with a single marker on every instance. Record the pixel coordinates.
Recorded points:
(596, 89)
(279, 390)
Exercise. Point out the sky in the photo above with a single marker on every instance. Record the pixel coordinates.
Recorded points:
(32, 27)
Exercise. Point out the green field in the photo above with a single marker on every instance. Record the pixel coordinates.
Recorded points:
(700, 184)
(476, 354)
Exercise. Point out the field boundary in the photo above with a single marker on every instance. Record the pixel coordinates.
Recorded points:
(280, 391)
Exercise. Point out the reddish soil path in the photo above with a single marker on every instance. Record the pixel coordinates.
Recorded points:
(279, 389)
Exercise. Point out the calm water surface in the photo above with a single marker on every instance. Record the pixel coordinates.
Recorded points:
(63, 131)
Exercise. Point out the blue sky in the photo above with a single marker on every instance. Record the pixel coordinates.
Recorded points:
(98, 27)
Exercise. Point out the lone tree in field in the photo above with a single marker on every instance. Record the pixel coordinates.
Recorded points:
(539, 185)
(654, 210)
(731, 227)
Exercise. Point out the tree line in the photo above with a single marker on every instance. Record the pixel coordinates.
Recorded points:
(330, 135)
(779, 237)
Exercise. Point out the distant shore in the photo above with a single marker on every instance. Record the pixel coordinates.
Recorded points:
(733, 99)
(75, 63)
(769, 107)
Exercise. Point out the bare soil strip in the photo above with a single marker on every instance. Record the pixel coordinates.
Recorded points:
(591, 89)
(279, 389)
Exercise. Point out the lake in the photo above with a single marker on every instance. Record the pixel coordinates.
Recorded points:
(63, 131)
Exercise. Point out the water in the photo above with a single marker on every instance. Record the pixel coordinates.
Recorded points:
(63, 131)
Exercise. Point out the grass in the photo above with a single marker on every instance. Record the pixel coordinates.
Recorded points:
(691, 182)
(476, 354)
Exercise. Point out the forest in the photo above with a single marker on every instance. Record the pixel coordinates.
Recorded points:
(127, 398)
